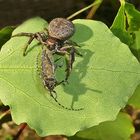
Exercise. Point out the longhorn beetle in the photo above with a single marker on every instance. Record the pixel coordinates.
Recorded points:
(48, 75)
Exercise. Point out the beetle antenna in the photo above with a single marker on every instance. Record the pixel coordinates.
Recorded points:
(63, 105)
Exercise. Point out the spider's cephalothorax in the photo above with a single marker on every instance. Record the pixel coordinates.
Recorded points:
(55, 38)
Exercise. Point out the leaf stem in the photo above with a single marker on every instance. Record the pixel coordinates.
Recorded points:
(4, 114)
(96, 2)
(122, 2)
(22, 127)
(94, 9)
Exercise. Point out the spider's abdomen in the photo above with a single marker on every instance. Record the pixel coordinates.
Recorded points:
(61, 28)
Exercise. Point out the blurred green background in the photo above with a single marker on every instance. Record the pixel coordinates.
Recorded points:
(13, 12)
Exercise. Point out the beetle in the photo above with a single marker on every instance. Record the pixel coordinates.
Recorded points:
(55, 38)
(48, 75)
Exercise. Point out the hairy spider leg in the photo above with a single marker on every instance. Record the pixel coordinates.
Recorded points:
(45, 29)
(32, 36)
(71, 57)
(69, 51)
(69, 62)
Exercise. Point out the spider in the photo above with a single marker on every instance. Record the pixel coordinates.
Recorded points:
(55, 38)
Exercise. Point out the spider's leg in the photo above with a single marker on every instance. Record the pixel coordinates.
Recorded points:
(69, 52)
(71, 43)
(41, 37)
(28, 43)
(70, 46)
(69, 62)
(23, 34)
(61, 82)
(46, 30)
(74, 45)
(31, 37)
(77, 52)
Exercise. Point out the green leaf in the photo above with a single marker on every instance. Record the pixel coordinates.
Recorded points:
(133, 18)
(129, 35)
(101, 81)
(119, 129)
(135, 47)
(119, 26)
(119, 21)
(5, 34)
(135, 99)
